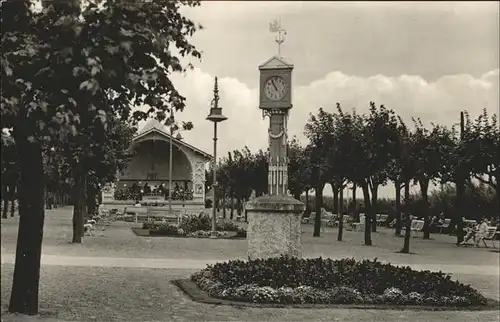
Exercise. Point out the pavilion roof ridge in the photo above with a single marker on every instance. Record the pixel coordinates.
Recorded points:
(163, 131)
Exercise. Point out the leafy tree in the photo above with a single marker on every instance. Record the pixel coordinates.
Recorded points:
(319, 130)
(66, 72)
(383, 137)
(58, 175)
(259, 173)
(400, 170)
(370, 141)
(430, 150)
(299, 170)
(340, 161)
(108, 158)
(481, 141)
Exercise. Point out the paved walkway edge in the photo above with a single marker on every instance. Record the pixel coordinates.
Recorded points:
(178, 263)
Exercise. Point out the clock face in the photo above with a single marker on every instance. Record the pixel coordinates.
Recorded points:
(275, 88)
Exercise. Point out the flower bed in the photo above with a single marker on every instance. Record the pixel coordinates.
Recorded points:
(287, 280)
(194, 226)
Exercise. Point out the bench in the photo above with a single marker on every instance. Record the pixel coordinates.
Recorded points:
(490, 235)
(345, 220)
(359, 226)
(136, 212)
(312, 217)
(416, 226)
(381, 219)
(173, 216)
(444, 225)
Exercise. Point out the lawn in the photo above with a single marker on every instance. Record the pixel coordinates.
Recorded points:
(144, 294)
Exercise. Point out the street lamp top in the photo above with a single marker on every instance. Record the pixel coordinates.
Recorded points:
(216, 111)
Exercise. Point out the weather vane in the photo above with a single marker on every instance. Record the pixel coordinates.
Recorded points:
(276, 27)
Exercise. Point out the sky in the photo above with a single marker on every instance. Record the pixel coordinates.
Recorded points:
(422, 59)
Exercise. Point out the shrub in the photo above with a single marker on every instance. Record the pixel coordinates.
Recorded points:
(194, 223)
(203, 222)
(149, 225)
(227, 226)
(164, 230)
(318, 280)
(241, 232)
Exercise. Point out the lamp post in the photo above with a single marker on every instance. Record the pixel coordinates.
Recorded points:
(215, 117)
(170, 159)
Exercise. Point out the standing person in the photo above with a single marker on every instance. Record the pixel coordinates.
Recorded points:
(147, 188)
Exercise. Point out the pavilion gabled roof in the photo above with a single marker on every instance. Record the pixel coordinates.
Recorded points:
(154, 125)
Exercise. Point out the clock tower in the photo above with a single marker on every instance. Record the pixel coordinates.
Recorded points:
(275, 102)
(274, 220)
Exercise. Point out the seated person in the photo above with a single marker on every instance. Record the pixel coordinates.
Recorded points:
(470, 233)
(481, 233)
(87, 228)
(137, 203)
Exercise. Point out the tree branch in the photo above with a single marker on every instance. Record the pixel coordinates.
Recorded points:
(488, 182)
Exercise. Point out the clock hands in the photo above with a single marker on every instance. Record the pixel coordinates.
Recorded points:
(274, 85)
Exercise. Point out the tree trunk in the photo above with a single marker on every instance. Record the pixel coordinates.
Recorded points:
(407, 191)
(232, 205)
(368, 210)
(12, 200)
(497, 189)
(224, 212)
(424, 186)
(24, 296)
(307, 199)
(91, 201)
(407, 223)
(341, 214)
(397, 209)
(374, 209)
(99, 195)
(354, 188)
(244, 209)
(5, 198)
(335, 197)
(460, 194)
(79, 207)
(238, 206)
(319, 203)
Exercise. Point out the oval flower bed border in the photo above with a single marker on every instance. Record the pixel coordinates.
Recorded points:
(326, 283)
(198, 295)
(141, 232)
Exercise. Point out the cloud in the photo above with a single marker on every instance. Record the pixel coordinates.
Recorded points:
(409, 95)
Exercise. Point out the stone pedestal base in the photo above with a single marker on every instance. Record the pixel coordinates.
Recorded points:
(274, 227)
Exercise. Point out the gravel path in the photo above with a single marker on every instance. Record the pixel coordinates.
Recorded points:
(143, 294)
(176, 263)
(117, 276)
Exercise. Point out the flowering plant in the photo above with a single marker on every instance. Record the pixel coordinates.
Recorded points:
(289, 280)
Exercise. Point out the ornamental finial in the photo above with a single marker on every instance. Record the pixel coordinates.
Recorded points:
(215, 100)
